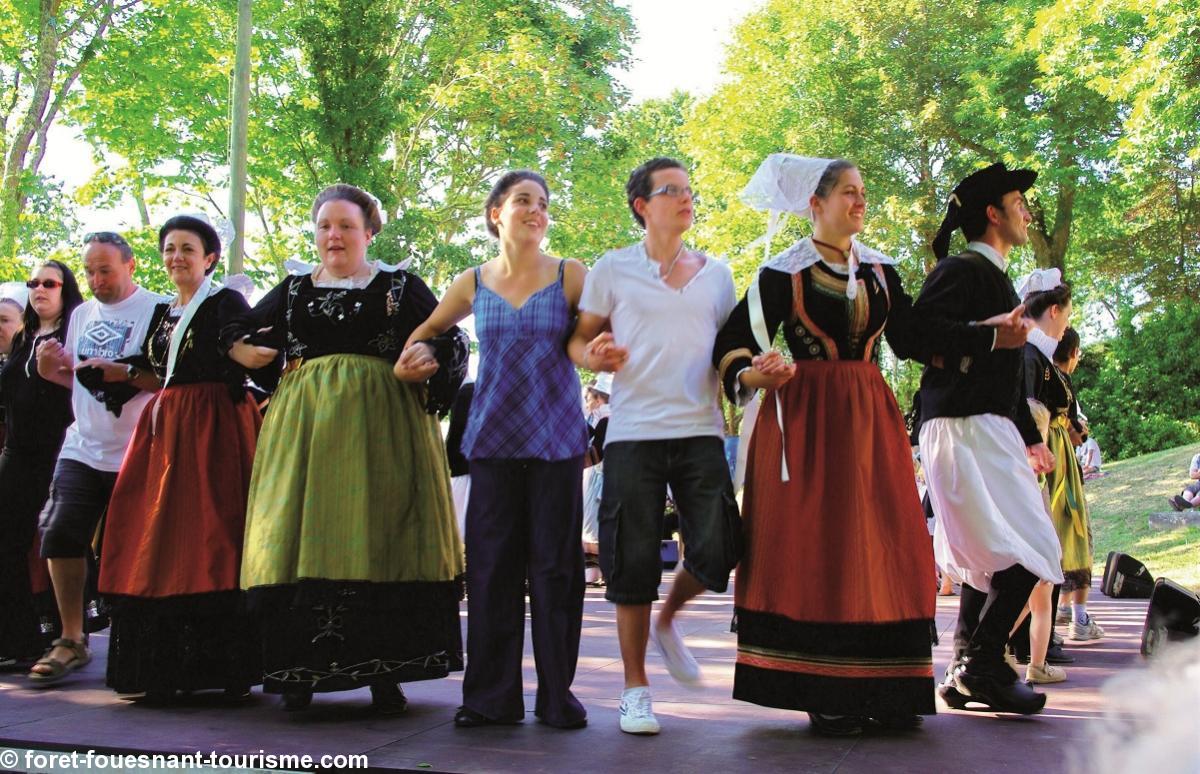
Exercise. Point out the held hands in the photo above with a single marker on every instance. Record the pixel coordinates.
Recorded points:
(250, 355)
(53, 361)
(111, 372)
(416, 363)
(1011, 328)
(603, 354)
(1040, 458)
(770, 370)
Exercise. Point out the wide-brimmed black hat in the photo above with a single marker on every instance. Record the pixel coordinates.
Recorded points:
(976, 192)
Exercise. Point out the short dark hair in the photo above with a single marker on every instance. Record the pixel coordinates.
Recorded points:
(830, 177)
(1067, 345)
(1037, 302)
(355, 195)
(638, 186)
(500, 192)
(208, 235)
(71, 298)
(974, 219)
(109, 238)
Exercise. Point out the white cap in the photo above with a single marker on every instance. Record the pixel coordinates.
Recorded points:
(783, 185)
(1039, 280)
(603, 382)
(16, 291)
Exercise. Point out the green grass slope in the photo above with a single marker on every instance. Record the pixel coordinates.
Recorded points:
(1120, 506)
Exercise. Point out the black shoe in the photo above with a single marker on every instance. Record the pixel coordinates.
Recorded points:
(1056, 655)
(388, 699)
(835, 725)
(158, 697)
(296, 700)
(898, 722)
(950, 694)
(469, 718)
(1056, 640)
(1178, 503)
(570, 725)
(1000, 696)
(236, 694)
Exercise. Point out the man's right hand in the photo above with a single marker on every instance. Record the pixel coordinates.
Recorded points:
(1012, 328)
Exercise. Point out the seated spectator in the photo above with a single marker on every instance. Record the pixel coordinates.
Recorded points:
(1190, 496)
(1088, 455)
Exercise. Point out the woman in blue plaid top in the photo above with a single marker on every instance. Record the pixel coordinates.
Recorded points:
(525, 442)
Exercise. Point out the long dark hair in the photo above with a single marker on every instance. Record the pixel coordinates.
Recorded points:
(71, 298)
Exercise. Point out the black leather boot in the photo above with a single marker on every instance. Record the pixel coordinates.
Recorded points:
(999, 695)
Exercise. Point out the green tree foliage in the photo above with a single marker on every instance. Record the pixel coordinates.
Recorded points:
(44, 47)
(1144, 57)
(1138, 389)
(421, 102)
(591, 212)
(918, 94)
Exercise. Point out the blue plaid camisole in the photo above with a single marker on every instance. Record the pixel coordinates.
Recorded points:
(527, 401)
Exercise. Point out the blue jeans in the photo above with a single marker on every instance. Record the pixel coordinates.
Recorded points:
(636, 475)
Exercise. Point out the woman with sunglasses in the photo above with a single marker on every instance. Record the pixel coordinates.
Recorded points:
(38, 413)
(173, 538)
(835, 602)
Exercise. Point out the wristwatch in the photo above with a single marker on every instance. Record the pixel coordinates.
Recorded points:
(131, 372)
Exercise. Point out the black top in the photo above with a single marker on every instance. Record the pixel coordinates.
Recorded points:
(308, 322)
(1046, 383)
(38, 412)
(458, 425)
(972, 379)
(203, 357)
(825, 324)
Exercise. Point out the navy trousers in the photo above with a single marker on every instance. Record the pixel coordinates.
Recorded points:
(524, 519)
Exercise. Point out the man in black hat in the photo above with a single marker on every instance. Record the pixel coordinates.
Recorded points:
(980, 447)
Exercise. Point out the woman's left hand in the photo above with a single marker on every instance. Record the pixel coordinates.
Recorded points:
(416, 363)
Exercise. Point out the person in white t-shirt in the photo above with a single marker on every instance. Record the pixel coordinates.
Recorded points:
(650, 313)
(107, 396)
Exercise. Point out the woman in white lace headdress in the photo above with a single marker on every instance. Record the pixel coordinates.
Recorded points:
(834, 599)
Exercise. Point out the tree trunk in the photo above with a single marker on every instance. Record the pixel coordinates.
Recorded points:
(1051, 240)
(12, 198)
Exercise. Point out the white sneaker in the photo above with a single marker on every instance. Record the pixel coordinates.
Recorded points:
(637, 713)
(675, 654)
(1063, 615)
(1087, 631)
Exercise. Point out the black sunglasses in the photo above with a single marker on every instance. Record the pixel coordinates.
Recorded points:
(105, 238)
(48, 284)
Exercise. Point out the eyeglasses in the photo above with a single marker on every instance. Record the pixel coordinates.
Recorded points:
(674, 192)
(48, 284)
(105, 238)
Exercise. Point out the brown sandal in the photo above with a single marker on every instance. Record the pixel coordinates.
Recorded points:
(60, 669)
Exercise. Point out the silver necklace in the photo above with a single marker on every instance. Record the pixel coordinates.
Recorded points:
(674, 260)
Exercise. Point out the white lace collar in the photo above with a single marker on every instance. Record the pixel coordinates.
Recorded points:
(804, 253)
(1044, 343)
